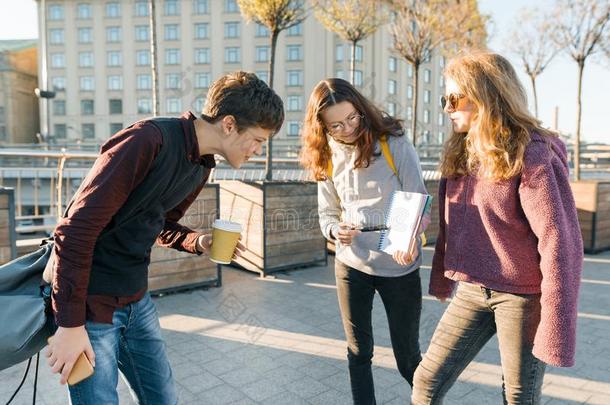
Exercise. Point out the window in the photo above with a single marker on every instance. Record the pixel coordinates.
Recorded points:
(358, 78)
(83, 11)
(172, 56)
(340, 74)
(142, 32)
(392, 64)
(113, 10)
(295, 30)
(339, 53)
(391, 86)
(262, 53)
(114, 58)
(115, 82)
(173, 81)
(3, 134)
(231, 29)
(441, 138)
(202, 80)
(115, 106)
(441, 63)
(144, 82)
(392, 109)
(88, 131)
(441, 80)
(409, 92)
(113, 34)
(141, 9)
(58, 83)
(427, 56)
(295, 78)
(293, 128)
(359, 53)
(427, 96)
(426, 116)
(85, 59)
(201, 7)
(56, 36)
(231, 6)
(58, 60)
(426, 137)
(87, 83)
(294, 103)
(198, 104)
(232, 55)
(115, 127)
(174, 105)
(263, 75)
(441, 118)
(172, 7)
(294, 52)
(410, 70)
(87, 107)
(85, 35)
(59, 107)
(410, 113)
(201, 31)
(143, 57)
(56, 12)
(261, 30)
(172, 32)
(427, 74)
(144, 106)
(59, 130)
(202, 56)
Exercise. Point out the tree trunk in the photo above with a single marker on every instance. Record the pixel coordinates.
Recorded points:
(533, 80)
(153, 56)
(269, 157)
(581, 68)
(352, 67)
(414, 104)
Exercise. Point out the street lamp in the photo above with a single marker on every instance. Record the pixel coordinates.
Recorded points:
(46, 95)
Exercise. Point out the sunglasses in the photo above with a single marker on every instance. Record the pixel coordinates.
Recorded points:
(452, 100)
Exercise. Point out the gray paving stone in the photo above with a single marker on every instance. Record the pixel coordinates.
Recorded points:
(307, 387)
(331, 397)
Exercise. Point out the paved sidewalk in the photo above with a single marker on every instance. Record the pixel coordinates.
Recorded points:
(280, 341)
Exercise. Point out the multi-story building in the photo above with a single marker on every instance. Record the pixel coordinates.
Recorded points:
(18, 79)
(99, 64)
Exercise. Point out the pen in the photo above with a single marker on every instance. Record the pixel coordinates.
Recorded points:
(373, 228)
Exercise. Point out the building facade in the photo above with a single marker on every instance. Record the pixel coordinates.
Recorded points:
(18, 104)
(99, 65)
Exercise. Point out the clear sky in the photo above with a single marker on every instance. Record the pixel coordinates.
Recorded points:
(556, 85)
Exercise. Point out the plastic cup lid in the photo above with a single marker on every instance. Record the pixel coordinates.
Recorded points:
(227, 225)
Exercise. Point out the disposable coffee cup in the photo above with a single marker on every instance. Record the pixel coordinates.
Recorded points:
(225, 235)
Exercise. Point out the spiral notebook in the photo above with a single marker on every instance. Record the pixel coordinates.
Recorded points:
(403, 216)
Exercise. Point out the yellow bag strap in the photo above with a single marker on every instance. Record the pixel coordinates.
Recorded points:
(385, 149)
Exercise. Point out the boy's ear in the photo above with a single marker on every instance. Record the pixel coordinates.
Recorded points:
(229, 124)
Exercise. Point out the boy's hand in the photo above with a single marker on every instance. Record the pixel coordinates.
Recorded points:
(64, 349)
(345, 233)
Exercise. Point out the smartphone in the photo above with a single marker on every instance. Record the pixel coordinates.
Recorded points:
(81, 370)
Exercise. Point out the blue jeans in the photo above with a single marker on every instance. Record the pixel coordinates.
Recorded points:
(471, 319)
(133, 345)
(402, 299)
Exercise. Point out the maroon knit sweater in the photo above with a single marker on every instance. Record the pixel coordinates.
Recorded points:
(520, 236)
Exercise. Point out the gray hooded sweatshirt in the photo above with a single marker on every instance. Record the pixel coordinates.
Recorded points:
(360, 197)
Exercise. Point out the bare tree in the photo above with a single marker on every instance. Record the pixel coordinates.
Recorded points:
(582, 30)
(352, 20)
(421, 27)
(276, 15)
(532, 41)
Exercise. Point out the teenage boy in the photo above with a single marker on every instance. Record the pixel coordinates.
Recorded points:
(145, 178)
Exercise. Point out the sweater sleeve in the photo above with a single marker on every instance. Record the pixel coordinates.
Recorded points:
(548, 204)
(329, 208)
(440, 286)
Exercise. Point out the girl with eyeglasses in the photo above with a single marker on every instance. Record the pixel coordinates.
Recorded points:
(509, 237)
(343, 137)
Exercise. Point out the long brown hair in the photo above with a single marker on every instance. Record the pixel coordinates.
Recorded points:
(315, 153)
(494, 147)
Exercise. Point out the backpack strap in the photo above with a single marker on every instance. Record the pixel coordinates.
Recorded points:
(385, 150)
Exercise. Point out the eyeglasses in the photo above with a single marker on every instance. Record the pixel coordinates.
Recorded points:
(452, 100)
(353, 121)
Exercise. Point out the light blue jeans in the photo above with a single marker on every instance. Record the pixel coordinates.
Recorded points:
(471, 319)
(133, 345)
